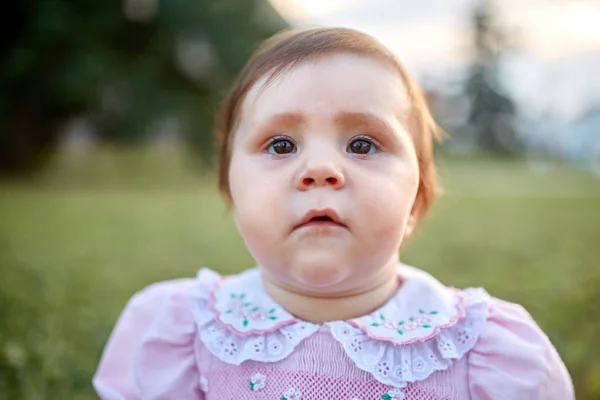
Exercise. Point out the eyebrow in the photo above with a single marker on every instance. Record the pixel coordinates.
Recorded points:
(286, 119)
(367, 121)
(346, 120)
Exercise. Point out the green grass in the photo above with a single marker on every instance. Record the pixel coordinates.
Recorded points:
(78, 242)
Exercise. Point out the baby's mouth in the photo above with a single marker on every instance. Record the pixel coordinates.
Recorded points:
(321, 221)
(321, 218)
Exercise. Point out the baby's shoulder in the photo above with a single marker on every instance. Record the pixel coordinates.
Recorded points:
(508, 354)
(151, 348)
(179, 291)
(421, 287)
(169, 301)
(176, 293)
(513, 358)
(512, 331)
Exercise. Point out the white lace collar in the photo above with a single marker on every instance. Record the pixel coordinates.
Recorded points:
(417, 332)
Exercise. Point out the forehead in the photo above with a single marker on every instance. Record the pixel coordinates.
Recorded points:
(326, 87)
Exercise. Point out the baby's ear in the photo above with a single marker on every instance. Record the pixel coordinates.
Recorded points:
(412, 222)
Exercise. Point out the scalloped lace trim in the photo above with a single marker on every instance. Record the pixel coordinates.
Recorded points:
(228, 344)
(429, 342)
(396, 364)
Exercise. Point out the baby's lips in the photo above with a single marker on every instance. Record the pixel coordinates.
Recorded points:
(323, 214)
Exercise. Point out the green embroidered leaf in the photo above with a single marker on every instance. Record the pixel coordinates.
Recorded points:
(400, 331)
(421, 311)
(255, 309)
(426, 326)
(273, 318)
(245, 323)
(247, 304)
(411, 319)
(251, 385)
(382, 317)
(232, 295)
(401, 322)
(228, 311)
(433, 313)
(243, 296)
(271, 311)
(386, 397)
(283, 398)
(374, 324)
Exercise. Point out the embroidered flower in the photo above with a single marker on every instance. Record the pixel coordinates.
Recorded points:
(234, 304)
(412, 323)
(292, 394)
(230, 349)
(241, 312)
(301, 326)
(356, 345)
(275, 347)
(444, 346)
(289, 335)
(382, 318)
(410, 326)
(258, 315)
(383, 368)
(398, 372)
(433, 358)
(239, 307)
(254, 345)
(203, 384)
(389, 324)
(345, 331)
(463, 337)
(257, 381)
(418, 365)
(212, 329)
(394, 394)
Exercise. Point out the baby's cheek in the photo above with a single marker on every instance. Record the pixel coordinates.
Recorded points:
(386, 212)
(255, 232)
(252, 221)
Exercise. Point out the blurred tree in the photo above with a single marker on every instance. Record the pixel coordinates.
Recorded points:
(125, 65)
(492, 112)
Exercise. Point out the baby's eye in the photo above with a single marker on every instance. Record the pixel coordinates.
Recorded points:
(361, 146)
(281, 146)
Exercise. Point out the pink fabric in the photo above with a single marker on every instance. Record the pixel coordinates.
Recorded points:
(320, 369)
(514, 359)
(224, 385)
(150, 354)
(155, 353)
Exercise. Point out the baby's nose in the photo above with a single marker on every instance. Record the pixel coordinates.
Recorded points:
(321, 176)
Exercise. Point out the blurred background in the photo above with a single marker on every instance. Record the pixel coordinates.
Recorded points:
(108, 179)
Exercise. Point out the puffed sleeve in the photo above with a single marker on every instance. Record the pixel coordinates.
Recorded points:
(514, 359)
(150, 354)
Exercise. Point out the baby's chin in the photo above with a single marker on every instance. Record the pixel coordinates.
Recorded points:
(320, 275)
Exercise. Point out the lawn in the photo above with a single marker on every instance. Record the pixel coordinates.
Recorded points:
(77, 242)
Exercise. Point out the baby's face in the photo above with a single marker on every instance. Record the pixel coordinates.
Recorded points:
(324, 174)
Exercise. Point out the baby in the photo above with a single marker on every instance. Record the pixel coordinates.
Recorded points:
(327, 163)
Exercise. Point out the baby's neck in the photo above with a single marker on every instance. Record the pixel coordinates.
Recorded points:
(319, 308)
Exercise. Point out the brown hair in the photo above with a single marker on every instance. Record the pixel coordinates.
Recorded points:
(286, 50)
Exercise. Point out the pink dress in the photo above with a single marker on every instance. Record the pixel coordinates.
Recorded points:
(217, 338)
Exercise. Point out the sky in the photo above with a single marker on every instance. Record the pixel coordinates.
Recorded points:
(553, 67)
